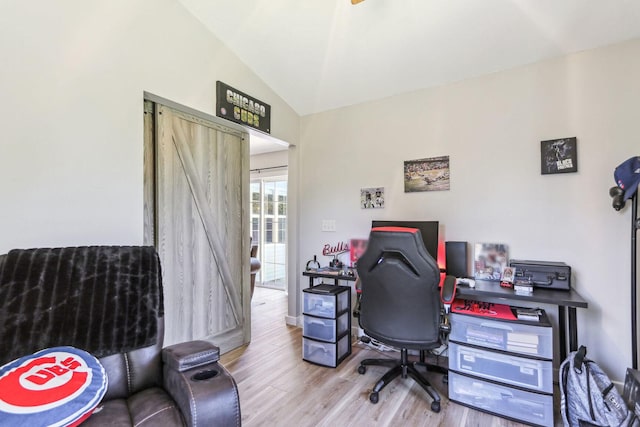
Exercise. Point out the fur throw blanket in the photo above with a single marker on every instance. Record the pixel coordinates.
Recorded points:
(102, 299)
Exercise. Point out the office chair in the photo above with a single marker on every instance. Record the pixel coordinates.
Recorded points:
(400, 303)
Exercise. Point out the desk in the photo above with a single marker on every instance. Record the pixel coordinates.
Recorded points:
(328, 273)
(488, 291)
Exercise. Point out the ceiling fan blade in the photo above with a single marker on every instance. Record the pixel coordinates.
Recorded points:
(356, 1)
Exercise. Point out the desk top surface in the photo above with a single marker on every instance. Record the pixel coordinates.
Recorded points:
(331, 273)
(489, 291)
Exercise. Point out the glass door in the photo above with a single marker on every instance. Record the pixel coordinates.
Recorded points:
(269, 230)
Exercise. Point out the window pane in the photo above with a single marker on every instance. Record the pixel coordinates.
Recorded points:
(255, 198)
(282, 228)
(268, 230)
(282, 205)
(255, 230)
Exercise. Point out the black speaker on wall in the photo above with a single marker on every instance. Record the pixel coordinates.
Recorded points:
(456, 258)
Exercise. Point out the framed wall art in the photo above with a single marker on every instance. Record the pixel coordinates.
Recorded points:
(372, 198)
(559, 156)
(431, 174)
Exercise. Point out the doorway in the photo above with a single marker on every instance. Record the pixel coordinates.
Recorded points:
(269, 229)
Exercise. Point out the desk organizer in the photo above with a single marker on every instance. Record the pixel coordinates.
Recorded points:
(326, 324)
(504, 367)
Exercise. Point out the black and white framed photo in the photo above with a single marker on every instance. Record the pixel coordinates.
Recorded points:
(372, 198)
(559, 156)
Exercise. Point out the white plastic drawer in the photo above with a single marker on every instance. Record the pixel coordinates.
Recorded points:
(533, 374)
(326, 300)
(326, 354)
(524, 406)
(515, 337)
(323, 329)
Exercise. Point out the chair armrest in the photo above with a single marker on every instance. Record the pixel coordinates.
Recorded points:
(190, 354)
(448, 291)
(204, 390)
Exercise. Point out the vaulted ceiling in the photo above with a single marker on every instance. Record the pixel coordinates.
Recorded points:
(324, 54)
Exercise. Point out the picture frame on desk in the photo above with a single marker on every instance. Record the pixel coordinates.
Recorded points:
(490, 260)
(508, 274)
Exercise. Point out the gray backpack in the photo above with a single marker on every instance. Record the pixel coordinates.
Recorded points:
(588, 397)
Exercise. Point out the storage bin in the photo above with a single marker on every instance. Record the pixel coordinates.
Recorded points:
(323, 329)
(519, 405)
(325, 354)
(520, 371)
(326, 300)
(514, 336)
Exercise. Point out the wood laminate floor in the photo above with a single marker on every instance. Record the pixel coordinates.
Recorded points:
(278, 388)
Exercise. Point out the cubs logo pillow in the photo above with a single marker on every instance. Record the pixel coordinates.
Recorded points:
(58, 386)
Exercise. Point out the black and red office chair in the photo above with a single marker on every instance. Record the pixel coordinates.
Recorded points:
(400, 304)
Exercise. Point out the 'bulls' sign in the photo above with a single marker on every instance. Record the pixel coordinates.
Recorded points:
(58, 386)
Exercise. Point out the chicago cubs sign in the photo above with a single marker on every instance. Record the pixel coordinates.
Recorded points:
(58, 386)
(239, 107)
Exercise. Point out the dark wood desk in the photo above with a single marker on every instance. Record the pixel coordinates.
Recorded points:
(488, 291)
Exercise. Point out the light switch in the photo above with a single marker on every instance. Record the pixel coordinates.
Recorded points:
(328, 225)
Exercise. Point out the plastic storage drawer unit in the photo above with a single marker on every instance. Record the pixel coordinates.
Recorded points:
(325, 300)
(323, 329)
(527, 338)
(324, 353)
(520, 405)
(326, 328)
(520, 371)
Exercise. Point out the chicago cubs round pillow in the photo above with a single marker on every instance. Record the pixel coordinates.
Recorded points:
(58, 386)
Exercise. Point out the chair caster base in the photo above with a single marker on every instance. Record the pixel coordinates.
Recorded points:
(373, 397)
(362, 369)
(435, 407)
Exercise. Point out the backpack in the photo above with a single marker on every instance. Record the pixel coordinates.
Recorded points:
(588, 397)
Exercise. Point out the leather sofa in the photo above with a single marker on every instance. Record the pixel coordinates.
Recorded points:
(148, 385)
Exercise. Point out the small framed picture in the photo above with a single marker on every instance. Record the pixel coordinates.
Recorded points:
(508, 274)
(372, 198)
(559, 156)
(490, 260)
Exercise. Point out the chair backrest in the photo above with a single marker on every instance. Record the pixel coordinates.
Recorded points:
(106, 300)
(400, 304)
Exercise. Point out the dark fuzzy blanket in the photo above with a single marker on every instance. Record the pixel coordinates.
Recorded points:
(102, 299)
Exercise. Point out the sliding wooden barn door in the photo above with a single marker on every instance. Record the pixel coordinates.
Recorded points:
(201, 228)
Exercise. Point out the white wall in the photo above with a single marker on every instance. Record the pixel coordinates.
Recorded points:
(268, 164)
(71, 84)
(491, 128)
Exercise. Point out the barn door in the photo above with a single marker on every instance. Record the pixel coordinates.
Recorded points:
(201, 191)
